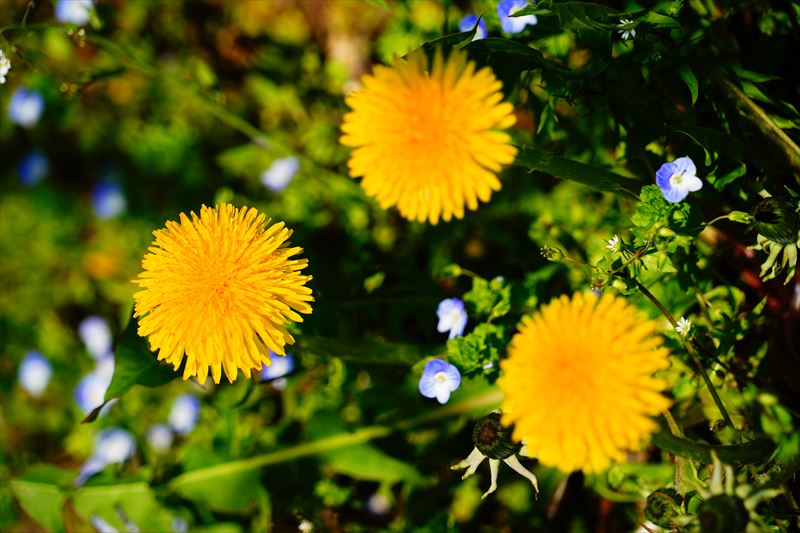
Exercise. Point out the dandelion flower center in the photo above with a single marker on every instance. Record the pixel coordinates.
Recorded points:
(220, 290)
(579, 382)
(428, 140)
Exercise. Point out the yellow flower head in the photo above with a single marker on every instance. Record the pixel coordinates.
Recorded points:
(220, 289)
(579, 383)
(428, 140)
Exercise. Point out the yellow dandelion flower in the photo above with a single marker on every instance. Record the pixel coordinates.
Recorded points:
(579, 383)
(429, 141)
(220, 289)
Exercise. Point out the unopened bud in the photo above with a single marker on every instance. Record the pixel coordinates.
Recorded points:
(777, 219)
(722, 514)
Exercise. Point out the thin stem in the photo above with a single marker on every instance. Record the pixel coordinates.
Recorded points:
(488, 400)
(674, 428)
(692, 353)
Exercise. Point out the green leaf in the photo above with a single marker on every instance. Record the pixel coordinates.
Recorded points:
(42, 502)
(473, 352)
(364, 350)
(573, 15)
(135, 364)
(490, 299)
(659, 21)
(226, 491)
(134, 502)
(597, 178)
(507, 59)
(688, 77)
(448, 42)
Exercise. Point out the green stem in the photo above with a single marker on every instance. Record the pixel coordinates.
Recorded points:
(754, 451)
(762, 121)
(692, 353)
(486, 400)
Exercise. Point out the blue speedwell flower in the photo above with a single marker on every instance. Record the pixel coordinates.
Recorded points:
(108, 200)
(160, 437)
(111, 446)
(467, 22)
(77, 12)
(34, 373)
(678, 179)
(452, 317)
(96, 336)
(25, 107)
(280, 173)
(510, 24)
(438, 380)
(281, 366)
(91, 391)
(33, 168)
(184, 413)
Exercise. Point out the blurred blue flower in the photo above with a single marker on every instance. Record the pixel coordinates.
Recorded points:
(452, 317)
(34, 373)
(108, 200)
(74, 11)
(438, 380)
(96, 336)
(280, 173)
(33, 168)
(179, 525)
(184, 414)
(111, 446)
(25, 107)
(678, 179)
(101, 526)
(91, 390)
(281, 366)
(160, 438)
(506, 8)
(467, 22)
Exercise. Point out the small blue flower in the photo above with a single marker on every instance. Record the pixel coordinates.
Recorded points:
(25, 107)
(101, 526)
(184, 414)
(91, 391)
(108, 200)
(34, 373)
(280, 173)
(467, 22)
(438, 380)
(77, 12)
(678, 179)
(452, 317)
(111, 446)
(506, 8)
(281, 366)
(160, 437)
(96, 336)
(33, 168)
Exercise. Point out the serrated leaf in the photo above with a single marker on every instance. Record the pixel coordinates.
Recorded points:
(688, 77)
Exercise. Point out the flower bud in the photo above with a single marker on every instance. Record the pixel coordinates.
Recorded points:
(552, 254)
(493, 439)
(662, 507)
(722, 514)
(740, 216)
(777, 220)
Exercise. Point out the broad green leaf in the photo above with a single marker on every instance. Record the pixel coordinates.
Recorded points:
(659, 21)
(597, 178)
(227, 491)
(573, 15)
(41, 501)
(135, 364)
(688, 77)
(134, 502)
(447, 42)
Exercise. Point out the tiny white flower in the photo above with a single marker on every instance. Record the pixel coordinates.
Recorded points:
(5, 66)
(614, 244)
(683, 327)
(305, 527)
(378, 504)
(626, 33)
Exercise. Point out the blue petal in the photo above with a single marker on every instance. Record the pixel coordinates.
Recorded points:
(453, 377)
(675, 195)
(663, 174)
(434, 366)
(427, 386)
(685, 166)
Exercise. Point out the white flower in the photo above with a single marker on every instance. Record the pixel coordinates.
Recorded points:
(280, 173)
(683, 326)
(626, 34)
(5, 66)
(614, 244)
(378, 504)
